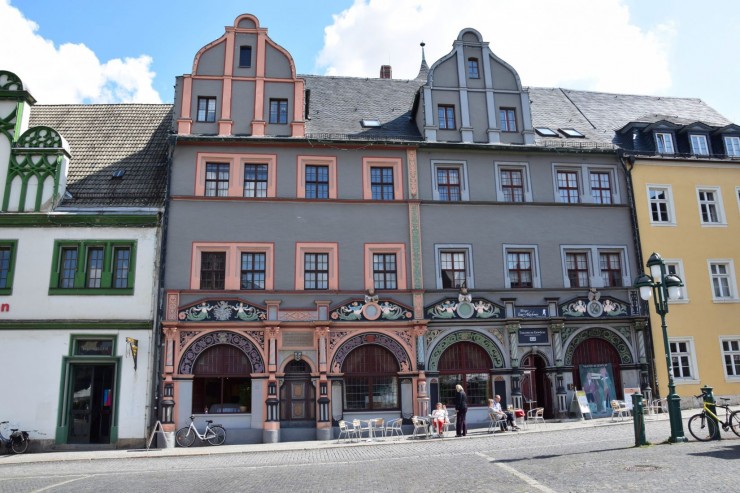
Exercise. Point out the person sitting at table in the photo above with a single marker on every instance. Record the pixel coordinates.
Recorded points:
(494, 406)
(439, 418)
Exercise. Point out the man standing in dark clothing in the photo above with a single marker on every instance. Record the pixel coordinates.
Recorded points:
(461, 405)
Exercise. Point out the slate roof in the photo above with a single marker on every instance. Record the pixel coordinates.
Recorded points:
(337, 105)
(108, 137)
(599, 115)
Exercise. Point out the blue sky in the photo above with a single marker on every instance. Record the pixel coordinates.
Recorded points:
(110, 51)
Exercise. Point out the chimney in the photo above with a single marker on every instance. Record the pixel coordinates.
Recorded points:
(385, 72)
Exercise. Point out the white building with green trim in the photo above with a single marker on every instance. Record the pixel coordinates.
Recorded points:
(81, 205)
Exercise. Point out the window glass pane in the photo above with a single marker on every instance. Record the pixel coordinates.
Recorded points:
(121, 262)
(68, 267)
(93, 347)
(245, 56)
(217, 180)
(255, 180)
(212, 270)
(253, 271)
(4, 266)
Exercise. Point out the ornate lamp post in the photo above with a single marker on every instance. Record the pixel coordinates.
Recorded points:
(665, 286)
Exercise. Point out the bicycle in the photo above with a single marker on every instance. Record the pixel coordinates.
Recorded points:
(213, 434)
(703, 426)
(17, 441)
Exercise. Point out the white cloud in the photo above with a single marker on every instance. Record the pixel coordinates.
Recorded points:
(71, 73)
(580, 44)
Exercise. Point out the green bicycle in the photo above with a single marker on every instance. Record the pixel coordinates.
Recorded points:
(703, 426)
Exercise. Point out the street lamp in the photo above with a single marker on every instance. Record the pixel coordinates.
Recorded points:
(665, 286)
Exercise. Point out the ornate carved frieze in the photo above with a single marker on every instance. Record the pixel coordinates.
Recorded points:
(475, 308)
(222, 311)
(595, 306)
(363, 310)
(187, 335)
(297, 315)
(335, 337)
(404, 335)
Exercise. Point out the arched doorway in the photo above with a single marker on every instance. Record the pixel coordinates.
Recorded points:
(297, 396)
(469, 365)
(535, 386)
(221, 381)
(597, 357)
(371, 379)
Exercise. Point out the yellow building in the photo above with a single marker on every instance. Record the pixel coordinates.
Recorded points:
(687, 205)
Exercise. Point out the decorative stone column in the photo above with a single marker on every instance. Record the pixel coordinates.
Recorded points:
(422, 396)
(271, 430)
(170, 357)
(640, 327)
(512, 329)
(323, 424)
(556, 326)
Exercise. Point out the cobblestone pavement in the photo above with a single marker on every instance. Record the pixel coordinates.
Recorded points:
(578, 458)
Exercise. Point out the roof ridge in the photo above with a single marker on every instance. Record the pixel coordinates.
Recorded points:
(563, 89)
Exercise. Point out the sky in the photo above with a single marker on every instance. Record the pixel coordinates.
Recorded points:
(92, 51)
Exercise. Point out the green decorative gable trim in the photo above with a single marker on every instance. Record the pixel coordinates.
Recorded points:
(470, 336)
(27, 166)
(222, 311)
(622, 347)
(37, 138)
(8, 124)
(11, 87)
(473, 308)
(110, 220)
(371, 310)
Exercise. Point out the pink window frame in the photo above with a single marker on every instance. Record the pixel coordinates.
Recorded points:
(233, 252)
(303, 161)
(331, 248)
(382, 162)
(399, 249)
(236, 162)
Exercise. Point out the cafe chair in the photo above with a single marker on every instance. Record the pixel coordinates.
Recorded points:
(536, 415)
(495, 421)
(393, 428)
(359, 429)
(421, 427)
(619, 410)
(378, 425)
(449, 423)
(345, 432)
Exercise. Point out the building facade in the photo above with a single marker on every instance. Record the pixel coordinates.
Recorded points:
(82, 194)
(343, 248)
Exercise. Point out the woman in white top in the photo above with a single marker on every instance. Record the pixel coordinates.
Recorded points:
(439, 418)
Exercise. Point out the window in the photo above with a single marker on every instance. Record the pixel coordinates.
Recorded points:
(577, 268)
(664, 143)
(699, 146)
(381, 183)
(453, 269)
(473, 68)
(507, 118)
(206, 109)
(370, 123)
(317, 182)
(611, 269)
(93, 267)
(512, 185)
(546, 132)
(660, 200)
(448, 184)
(731, 356)
(446, 114)
(221, 382)
(710, 206)
(682, 359)
(7, 265)
(255, 180)
(317, 177)
(384, 271)
(385, 266)
(217, 180)
(253, 270)
(601, 188)
(519, 266)
(245, 56)
(370, 379)
(568, 186)
(316, 266)
(235, 175)
(572, 133)
(722, 275)
(732, 146)
(232, 266)
(675, 267)
(469, 365)
(278, 111)
(212, 270)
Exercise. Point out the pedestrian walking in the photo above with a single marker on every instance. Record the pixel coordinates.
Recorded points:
(461, 406)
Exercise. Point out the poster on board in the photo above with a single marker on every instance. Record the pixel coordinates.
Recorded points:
(628, 391)
(580, 398)
(598, 384)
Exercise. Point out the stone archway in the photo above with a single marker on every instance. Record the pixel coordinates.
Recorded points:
(188, 358)
(404, 361)
(620, 344)
(485, 342)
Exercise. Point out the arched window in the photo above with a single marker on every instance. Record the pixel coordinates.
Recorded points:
(370, 379)
(221, 382)
(469, 365)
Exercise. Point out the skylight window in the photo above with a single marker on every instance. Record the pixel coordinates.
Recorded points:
(546, 132)
(571, 132)
(118, 174)
(370, 123)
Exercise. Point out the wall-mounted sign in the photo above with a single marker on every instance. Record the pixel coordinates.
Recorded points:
(530, 312)
(533, 336)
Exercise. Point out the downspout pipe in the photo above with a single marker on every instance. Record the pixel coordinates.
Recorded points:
(628, 163)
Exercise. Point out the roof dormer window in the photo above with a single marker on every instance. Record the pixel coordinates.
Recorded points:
(699, 145)
(664, 143)
(732, 146)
